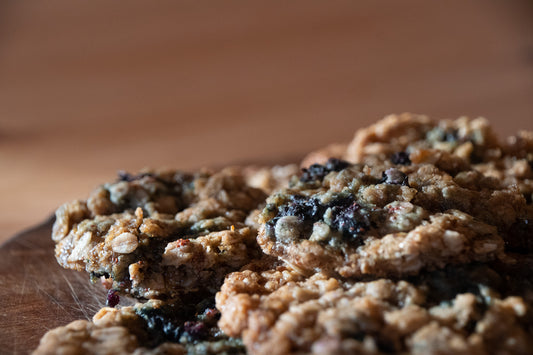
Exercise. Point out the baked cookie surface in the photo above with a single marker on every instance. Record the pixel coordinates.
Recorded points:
(467, 309)
(448, 144)
(172, 327)
(161, 234)
(420, 244)
(388, 219)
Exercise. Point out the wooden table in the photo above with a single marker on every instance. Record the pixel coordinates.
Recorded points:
(88, 88)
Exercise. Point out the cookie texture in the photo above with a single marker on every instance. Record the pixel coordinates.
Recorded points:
(159, 234)
(155, 327)
(448, 144)
(472, 309)
(382, 220)
(453, 145)
(414, 238)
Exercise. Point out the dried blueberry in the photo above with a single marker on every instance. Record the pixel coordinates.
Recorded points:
(395, 177)
(112, 298)
(342, 201)
(314, 172)
(318, 171)
(400, 158)
(196, 330)
(349, 220)
(451, 135)
(160, 326)
(301, 207)
(334, 164)
(308, 210)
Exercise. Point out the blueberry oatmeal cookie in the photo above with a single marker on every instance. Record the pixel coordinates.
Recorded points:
(388, 219)
(456, 310)
(159, 234)
(155, 327)
(448, 144)
(454, 145)
(472, 140)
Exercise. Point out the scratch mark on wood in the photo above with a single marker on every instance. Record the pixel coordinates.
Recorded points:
(23, 288)
(76, 299)
(51, 298)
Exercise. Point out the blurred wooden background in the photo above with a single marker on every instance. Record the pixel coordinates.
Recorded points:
(88, 88)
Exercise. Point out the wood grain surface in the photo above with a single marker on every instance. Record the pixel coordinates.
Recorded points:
(37, 294)
(89, 88)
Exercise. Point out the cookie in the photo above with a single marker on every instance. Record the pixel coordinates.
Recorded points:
(472, 140)
(152, 328)
(457, 310)
(159, 234)
(448, 144)
(388, 219)
(454, 146)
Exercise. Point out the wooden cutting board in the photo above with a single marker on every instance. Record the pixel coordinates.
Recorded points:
(37, 294)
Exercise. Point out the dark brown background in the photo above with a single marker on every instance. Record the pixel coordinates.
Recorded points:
(90, 87)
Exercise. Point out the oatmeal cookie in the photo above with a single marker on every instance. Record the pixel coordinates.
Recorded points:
(472, 140)
(156, 327)
(452, 145)
(382, 220)
(159, 234)
(456, 310)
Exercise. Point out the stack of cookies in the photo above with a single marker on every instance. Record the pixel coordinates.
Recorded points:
(414, 238)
